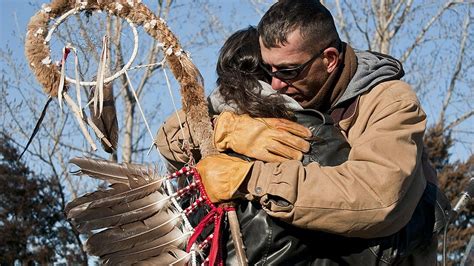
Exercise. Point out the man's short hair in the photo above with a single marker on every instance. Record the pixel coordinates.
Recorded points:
(313, 19)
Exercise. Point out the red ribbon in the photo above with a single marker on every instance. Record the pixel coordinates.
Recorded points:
(215, 215)
(66, 53)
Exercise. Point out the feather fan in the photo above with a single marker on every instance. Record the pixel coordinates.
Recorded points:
(135, 216)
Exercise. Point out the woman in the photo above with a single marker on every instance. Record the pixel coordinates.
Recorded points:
(243, 88)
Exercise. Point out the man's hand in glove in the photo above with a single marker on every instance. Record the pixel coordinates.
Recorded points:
(222, 175)
(265, 139)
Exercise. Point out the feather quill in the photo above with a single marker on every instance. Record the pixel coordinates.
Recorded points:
(130, 235)
(111, 171)
(99, 91)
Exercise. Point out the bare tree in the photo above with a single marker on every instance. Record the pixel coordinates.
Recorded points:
(432, 39)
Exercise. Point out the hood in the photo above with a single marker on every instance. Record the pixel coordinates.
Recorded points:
(372, 69)
(218, 105)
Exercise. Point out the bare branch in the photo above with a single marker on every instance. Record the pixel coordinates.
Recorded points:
(459, 120)
(425, 29)
(342, 22)
(152, 54)
(457, 68)
(364, 32)
(127, 96)
(401, 19)
(392, 14)
(87, 38)
(259, 11)
(378, 17)
(22, 36)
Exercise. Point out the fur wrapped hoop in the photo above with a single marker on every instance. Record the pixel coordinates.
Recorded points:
(38, 53)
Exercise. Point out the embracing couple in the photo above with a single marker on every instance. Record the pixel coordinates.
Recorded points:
(321, 144)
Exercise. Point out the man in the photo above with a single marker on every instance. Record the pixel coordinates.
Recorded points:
(374, 208)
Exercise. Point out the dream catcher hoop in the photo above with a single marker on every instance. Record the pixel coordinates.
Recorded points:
(125, 206)
(38, 53)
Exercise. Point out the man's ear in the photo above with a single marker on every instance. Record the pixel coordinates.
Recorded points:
(331, 59)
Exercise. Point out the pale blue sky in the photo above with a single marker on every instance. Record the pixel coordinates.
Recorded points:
(234, 14)
(15, 15)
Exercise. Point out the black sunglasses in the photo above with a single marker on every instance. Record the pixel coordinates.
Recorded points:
(286, 74)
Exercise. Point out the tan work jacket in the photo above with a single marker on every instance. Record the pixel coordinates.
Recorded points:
(373, 194)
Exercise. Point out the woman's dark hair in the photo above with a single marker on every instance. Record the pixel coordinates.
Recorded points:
(239, 71)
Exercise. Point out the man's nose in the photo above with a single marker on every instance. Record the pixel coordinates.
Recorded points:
(278, 84)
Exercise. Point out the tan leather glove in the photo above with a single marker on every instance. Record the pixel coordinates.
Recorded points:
(222, 175)
(265, 139)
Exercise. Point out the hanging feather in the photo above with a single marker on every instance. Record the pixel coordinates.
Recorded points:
(81, 203)
(128, 196)
(111, 171)
(106, 121)
(78, 79)
(37, 126)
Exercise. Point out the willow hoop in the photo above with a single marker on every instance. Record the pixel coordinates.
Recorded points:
(37, 47)
(76, 10)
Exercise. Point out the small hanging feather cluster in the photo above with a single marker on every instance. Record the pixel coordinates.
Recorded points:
(137, 219)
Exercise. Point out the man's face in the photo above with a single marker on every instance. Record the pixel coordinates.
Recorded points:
(303, 87)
